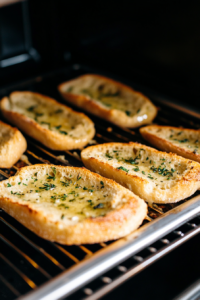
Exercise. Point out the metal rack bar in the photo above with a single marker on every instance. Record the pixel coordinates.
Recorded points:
(32, 244)
(108, 257)
(9, 286)
(20, 273)
(25, 256)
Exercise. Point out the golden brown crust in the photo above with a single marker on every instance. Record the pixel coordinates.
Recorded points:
(48, 138)
(115, 224)
(144, 188)
(165, 145)
(112, 115)
(12, 145)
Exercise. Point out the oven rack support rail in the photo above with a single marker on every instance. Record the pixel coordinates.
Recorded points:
(105, 259)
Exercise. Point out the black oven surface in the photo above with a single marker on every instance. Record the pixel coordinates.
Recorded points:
(27, 261)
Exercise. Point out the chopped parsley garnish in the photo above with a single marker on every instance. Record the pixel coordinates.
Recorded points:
(48, 186)
(19, 183)
(79, 178)
(138, 111)
(143, 172)
(58, 111)
(182, 141)
(136, 169)
(179, 133)
(108, 155)
(58, 127)
(102, 184)
(62, 217)
(147, 158)
(31, 108)
(63, 132)
(149, 176)
(84, 188)
(64, 183)
(123, 169)
(91, 191)
(46, 123)
(25, 184)
(54, 174)
(9, 185)
(131, 160)
(128, 113)
(100, 205)
(39, 114)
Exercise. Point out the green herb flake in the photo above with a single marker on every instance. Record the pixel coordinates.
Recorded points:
(48, 186)
(58, 111)
(62, 217)
(136, 169)
(100, 205)
(108, 155)
(25, 184)
(58, 127)
(123, 169)
(143, 172)
(63, 132)
(128, 113)
(9, 185)
(138, 111)
(31, 108)
(19, 183)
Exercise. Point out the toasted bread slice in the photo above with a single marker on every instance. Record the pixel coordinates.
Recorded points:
(55, 125)
(153, 175)
(71, 205)
(12, 145)
(109, 99)
(184, 142)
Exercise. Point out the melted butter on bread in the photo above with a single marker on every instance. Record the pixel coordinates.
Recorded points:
(164, 172)
(111, 96)
(155, 176)
(180, 138)
(109, 99)
(50, 117)
(69, 195)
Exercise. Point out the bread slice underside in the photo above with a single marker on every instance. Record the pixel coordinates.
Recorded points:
(71, 205)
(55, 125)
(184, 142)
(153, 175)
(109, 99)
(12, 145)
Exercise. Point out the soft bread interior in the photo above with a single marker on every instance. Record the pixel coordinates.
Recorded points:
(51, 116)
(63, 194)
(110, 95)
(186, 139)
(160, 171)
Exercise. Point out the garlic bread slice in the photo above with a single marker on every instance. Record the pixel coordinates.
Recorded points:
(71, 205)
(153, 175)
(12, 145)
(109, 99)
(184, 142)
(53, 124)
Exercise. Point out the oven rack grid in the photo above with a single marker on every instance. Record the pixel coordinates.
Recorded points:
(33, 261)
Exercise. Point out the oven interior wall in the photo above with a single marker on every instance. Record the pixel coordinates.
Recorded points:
(150, 42)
